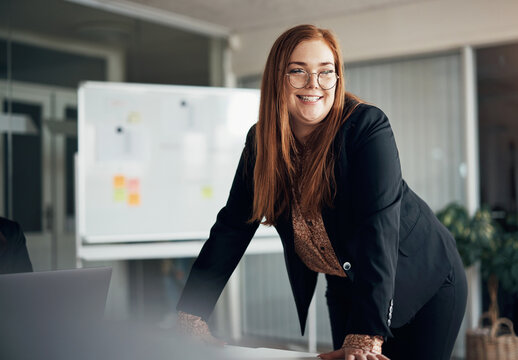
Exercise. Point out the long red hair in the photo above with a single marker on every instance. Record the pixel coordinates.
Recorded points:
(274, 172)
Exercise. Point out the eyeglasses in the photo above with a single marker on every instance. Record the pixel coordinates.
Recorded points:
(299, 78)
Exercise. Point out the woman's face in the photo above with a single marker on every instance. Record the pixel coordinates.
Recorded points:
(310, 104)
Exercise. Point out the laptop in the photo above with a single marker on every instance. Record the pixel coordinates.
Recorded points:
(52, 314)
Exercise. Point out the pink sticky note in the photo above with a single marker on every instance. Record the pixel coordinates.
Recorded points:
(134, 185)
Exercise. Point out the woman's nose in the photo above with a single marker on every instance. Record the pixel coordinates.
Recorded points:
(313, 80)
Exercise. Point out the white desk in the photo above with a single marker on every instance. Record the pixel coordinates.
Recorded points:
(237, 352)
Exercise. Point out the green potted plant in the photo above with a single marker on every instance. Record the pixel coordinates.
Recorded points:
(502, 258)
(471, 235)
(481, 238)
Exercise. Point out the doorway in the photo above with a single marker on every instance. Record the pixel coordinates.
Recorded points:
(497, 86)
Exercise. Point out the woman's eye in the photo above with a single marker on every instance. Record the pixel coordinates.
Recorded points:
(297, 71)
(328, 72)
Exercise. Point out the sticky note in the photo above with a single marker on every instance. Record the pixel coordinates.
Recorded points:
(134, 117)
(119, 195)
(134, 199)
(207, 192)
(118, 181)
(134, 185)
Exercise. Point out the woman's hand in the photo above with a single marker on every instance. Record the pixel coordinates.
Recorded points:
(348, 353)
(210, 340)
(194, 327)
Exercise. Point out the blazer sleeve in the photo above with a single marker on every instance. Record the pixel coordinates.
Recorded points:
(376, 198)
(227, 242)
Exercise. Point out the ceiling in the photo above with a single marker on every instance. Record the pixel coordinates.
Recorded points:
(233, 16)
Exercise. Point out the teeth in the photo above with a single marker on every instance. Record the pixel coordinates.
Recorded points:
(309, 98)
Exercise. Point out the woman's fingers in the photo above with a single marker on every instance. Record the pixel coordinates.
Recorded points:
(357, 355)
(209, 339)
(337, 354)
(377, 357)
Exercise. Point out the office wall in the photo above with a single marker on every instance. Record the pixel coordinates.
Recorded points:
(409, 29)
(423, 99)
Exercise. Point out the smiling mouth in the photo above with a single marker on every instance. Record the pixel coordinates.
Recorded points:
(309, 98)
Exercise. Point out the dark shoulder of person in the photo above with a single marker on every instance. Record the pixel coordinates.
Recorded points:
(14, 257)
(358, 117)
(364, 122)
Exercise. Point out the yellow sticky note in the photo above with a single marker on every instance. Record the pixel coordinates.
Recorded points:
(207, 192)
(134, 199)
(119, 181)
(134, 117)
(119, 195)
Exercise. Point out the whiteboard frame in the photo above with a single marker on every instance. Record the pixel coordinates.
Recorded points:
(263, 232)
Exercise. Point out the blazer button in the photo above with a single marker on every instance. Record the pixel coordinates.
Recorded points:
(389, 322)
(347, 265)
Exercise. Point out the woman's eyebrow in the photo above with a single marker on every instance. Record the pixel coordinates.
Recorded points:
(301, 63)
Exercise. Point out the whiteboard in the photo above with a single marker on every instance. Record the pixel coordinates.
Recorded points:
(156, 162)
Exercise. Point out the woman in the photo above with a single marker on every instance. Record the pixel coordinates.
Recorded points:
(323, 168)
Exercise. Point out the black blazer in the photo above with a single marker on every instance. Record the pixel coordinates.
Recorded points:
(395, 252)
(14, 257)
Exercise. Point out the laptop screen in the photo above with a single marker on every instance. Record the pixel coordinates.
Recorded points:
(52, 314)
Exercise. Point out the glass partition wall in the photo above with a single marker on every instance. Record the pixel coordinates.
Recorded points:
(43, 59)
(47, 48)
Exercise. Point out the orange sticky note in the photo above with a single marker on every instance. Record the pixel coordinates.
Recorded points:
(118, 181)
(134, 199)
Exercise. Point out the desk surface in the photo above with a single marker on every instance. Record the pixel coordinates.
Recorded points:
(126, 340)
(237, 352)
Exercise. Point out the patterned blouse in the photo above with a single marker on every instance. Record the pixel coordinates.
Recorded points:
(314, 248)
